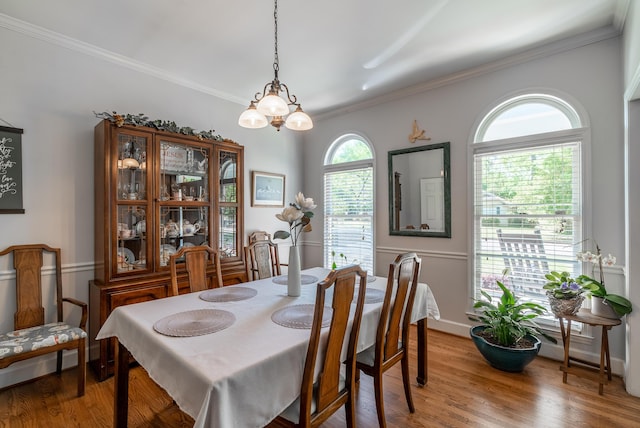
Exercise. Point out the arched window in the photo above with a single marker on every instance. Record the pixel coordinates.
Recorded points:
(527, 198)
(527, 115)
(349, 203)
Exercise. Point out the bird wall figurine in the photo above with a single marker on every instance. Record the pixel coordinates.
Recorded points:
(417, 134)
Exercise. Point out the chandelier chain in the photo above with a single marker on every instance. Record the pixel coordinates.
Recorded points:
(276, 60)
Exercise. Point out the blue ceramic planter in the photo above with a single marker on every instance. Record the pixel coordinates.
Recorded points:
(505, 359)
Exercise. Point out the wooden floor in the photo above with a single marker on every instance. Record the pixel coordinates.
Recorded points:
(463, 391)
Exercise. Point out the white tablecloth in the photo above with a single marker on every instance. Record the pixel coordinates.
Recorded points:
(246, 374)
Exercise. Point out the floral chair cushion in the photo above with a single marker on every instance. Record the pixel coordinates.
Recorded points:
(31, 339)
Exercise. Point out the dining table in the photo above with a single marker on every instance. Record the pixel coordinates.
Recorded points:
(234, 356)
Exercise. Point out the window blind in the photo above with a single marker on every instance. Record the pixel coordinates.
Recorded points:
(528, 217)
(348, 217)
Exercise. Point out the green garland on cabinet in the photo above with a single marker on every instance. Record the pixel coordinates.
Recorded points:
(161, 125)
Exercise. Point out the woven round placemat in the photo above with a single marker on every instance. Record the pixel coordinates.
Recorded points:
(372, 295)
(194, 323)
(300, 316)
(304, 279)
(228, 294)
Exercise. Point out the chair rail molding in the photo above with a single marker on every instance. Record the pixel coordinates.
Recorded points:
(7, 275)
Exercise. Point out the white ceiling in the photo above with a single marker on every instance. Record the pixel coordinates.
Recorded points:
(332, 53)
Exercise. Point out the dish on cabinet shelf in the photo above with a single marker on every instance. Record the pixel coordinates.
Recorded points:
(167, 249)
(127, 254)
(141, 227)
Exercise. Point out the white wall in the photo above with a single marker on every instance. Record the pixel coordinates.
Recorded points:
(590, 75)
(50, 91)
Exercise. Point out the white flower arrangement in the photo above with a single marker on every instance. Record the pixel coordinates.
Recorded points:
(298, 215)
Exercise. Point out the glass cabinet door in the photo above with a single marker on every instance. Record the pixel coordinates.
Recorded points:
(184, 213)
(131, 202)
(228, 203)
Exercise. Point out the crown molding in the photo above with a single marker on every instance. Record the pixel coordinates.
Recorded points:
(549, 49)
(620, 14)
(53, 37)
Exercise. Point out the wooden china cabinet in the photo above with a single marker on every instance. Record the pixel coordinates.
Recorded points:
(157, 191)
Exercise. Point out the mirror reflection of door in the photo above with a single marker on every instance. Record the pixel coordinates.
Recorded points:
(432, 204)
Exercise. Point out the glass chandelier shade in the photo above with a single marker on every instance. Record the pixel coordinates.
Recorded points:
(252, 118)
(273, 104)
(299, 121)
(130, 163)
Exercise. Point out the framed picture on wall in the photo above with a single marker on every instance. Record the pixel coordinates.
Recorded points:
(267, 189)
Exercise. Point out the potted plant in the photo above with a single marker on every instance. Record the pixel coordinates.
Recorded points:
(603, 303)
(565, 293)
(508, 335)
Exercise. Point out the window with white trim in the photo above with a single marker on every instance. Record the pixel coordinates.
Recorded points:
(527, 195)
(349, 203)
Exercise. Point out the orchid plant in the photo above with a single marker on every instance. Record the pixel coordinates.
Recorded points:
(298, 215)
(620, 304)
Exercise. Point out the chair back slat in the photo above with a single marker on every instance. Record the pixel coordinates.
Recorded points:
(28, 265)
(196, 266)
(196, 261)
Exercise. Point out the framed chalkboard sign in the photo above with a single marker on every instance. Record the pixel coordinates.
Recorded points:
(11, 170)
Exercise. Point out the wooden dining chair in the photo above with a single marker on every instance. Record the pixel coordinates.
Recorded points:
(392, 335)
(32, 335)
(323, 395)
(196, 261)
(262, 260)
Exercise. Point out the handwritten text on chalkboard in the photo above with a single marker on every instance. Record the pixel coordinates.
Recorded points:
(7, 182)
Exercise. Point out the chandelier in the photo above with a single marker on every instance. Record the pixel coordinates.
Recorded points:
(271, 104)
